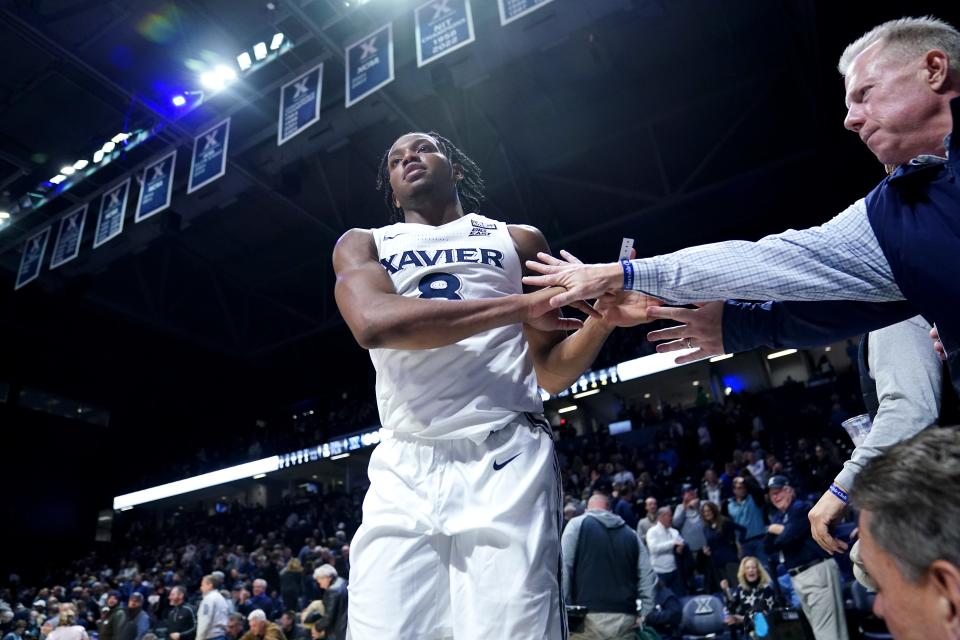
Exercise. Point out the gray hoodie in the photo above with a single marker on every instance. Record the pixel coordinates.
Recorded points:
(646, 578)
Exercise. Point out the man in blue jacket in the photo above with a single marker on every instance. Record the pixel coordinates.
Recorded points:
(813, 573)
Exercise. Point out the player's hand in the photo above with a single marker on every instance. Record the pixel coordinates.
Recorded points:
(540, 315)
(827, 511)
(581, 281)
(937, 343)
(702, 330)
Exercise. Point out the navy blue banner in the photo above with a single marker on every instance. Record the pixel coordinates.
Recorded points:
(112, 207)
(209, 159)
(510, 10)
(156, 187)
(32, 258)
(369, 64)
(442, 26)
(299, 104)
(69, 234)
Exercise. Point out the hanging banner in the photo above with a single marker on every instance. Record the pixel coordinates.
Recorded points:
(443, 26)
(369, 64)
(209, 159)
(156, 187)
(32, 259)
(112, 207)
(299, 104)
(510, 10)
(69, 234)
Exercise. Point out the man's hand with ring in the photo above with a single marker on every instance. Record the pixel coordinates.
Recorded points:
(702, 329)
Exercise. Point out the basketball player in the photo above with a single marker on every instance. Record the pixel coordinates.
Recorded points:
(461, 524)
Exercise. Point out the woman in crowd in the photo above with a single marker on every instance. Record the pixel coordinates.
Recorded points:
(753, 594)
(721, 537)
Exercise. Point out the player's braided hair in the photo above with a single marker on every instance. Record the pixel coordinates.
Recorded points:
(470, 189)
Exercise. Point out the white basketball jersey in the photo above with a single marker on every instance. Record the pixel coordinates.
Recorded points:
(473, 387)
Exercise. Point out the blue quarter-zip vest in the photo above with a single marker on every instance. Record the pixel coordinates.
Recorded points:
(915, 214)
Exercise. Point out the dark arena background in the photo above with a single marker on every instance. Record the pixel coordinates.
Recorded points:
(189, 325)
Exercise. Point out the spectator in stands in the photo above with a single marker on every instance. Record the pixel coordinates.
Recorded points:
(665, 545)
(136, 622)
(824, 468)
(17, 631)
(686, 520)
(720, 548)
(753, 594)
(711, 489)
(109, 627)
(261, 628)
(624, 505)
(181, 620)
(606, 569)
(744, 508)
(235, 626)
(260, 599)
(291, 584)
(67, 627)
(334, 620)
(648, 520)
(814, 574)
(910, 534)
(212, 616)
(291, 627)
(667, 613)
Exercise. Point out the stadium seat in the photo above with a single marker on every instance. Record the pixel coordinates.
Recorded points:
(703, 618)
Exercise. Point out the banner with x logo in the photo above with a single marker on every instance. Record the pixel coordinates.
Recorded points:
(442, 26)
(369, 64)
(69, 234)
(156, 187)
(113, 205)
(209, 159)
(32, 259)
(299, 104)
(511, 10)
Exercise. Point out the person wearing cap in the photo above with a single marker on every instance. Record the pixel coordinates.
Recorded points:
(108, 628)
(687, 520)
(136, 622)
(261, 628)
(212, 616)
(813, 573)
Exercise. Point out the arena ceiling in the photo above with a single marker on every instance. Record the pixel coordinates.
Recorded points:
(676, 122)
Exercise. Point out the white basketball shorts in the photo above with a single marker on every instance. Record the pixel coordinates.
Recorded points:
(460, 540)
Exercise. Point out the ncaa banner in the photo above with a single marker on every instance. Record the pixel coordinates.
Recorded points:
(112, 207)
(511, 10)
(443, 26)
(156, 187)
(369, 64)
(299, 104)
(32, 258)
(209, 158)
(69, 234)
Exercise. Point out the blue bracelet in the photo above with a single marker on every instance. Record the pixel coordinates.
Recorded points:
(627, 275)
(840, 493)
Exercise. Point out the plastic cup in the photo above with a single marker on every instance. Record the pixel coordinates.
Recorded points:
(858, 427)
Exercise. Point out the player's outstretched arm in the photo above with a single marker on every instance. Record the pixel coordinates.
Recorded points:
(381, 318)
(558, 359)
